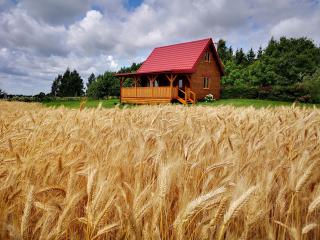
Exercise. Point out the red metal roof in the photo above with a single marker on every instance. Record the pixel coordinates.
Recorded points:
(182, 57)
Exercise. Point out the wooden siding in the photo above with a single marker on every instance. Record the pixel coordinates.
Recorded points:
(149, 92)
(211, 70)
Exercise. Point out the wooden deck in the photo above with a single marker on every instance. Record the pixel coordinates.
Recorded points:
(148, 95)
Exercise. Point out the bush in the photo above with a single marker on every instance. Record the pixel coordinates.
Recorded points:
(241, 91)
(312, 84)
(295, 92)
(209, 98)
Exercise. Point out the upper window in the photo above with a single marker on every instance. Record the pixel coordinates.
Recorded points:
(205, 82)
(207, 56)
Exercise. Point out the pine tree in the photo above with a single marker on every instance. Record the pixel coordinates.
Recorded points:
(91, 79)
(251, 56)
(222, 50)
(70, 84)
(240, 57)
(259, 54)
(230, 53)
(56, 86)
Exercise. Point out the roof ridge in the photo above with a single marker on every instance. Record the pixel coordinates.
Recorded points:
(175, 44)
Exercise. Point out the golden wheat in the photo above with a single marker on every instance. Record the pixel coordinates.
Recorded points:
(159, 172)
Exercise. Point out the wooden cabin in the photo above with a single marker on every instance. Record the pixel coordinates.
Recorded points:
(184, 72)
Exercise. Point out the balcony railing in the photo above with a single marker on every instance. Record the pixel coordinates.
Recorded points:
(149, 92)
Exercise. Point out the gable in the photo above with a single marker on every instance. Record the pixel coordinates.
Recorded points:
(177, 58)
(212, 57)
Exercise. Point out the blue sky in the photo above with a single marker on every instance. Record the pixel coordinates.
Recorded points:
(133, 3)
(40, 39)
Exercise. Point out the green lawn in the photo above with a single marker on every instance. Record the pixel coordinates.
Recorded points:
(235, 102)
(254, 102)
(76, 103)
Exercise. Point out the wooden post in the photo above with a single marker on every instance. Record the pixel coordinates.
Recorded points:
(121, 82)
(171, 79)
(152, 78)
(135, 85)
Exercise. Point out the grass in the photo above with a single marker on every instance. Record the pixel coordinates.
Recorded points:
(234, 102)
(255, 103)
(90, 103)
(159, 172)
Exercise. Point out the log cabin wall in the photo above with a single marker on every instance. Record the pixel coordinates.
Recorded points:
(211, 70)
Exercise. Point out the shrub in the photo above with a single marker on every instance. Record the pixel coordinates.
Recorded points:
(312, 84)
(295, 92)
(209, 98)
(241, 91)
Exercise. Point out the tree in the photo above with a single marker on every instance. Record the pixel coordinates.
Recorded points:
(70, 84)
(259, 54)
(234, 74)
(104, 85)
(230, 53)
(133, 68)
(56, 85)
(260, 74)
(251, 56)
(292, 59)
(312, 84)
(3, 94)
(240, 57)
(222, 50)
(91, 79)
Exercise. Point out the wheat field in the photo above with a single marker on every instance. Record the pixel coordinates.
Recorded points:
(159, 172)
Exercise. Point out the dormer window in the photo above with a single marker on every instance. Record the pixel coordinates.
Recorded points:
(207, 56)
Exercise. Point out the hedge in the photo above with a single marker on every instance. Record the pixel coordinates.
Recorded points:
(280, 93)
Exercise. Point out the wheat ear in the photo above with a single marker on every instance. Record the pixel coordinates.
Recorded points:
(27, 211)
(314, 204)
(304, 178)
(309, 227)
(237, 205)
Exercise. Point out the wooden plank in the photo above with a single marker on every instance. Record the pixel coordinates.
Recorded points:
(147, 92)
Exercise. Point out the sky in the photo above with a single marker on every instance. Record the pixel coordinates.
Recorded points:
(39, 39)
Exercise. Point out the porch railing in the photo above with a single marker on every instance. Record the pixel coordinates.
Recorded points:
(149, 92)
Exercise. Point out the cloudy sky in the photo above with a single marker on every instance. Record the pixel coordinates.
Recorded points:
(41, 38)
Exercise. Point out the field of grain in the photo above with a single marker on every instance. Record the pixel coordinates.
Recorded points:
(159, 172)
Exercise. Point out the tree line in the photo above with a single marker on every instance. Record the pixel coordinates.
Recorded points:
(70, 84)
(286, 69)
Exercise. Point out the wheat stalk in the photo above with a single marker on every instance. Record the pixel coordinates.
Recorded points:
(26, 212)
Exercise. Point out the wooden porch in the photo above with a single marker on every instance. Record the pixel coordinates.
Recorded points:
(153, 93)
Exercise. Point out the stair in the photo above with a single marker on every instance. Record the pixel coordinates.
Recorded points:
(181, 100)
(187, 99)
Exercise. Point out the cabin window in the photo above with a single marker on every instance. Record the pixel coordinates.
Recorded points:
(207, 56)
(205, 82)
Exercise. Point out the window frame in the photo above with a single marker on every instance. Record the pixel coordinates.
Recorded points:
(206, 81)
(207, 56)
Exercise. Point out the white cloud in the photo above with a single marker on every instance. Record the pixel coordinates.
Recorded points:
(19, 31)
(39, 39)
(56, 11)
(298, 27)
(93, 34)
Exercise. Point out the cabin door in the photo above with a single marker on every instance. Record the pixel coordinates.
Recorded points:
(183, 84)
(181, 87)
